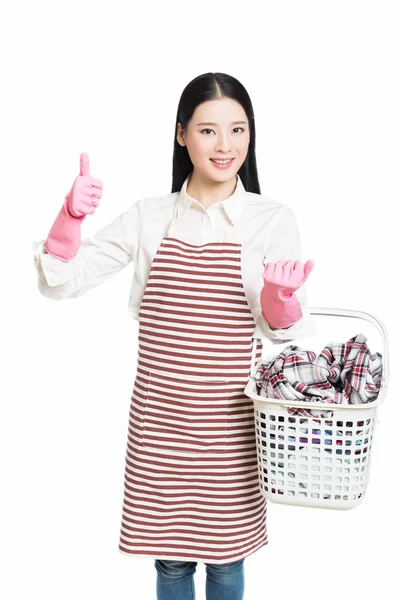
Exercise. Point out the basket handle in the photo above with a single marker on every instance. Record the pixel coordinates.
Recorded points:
(339, 312)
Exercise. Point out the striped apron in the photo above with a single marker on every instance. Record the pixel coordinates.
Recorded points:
(191, 481)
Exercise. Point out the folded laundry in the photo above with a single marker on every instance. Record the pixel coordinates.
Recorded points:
(343, 373)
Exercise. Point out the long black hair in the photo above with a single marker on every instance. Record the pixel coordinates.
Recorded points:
(212, 86)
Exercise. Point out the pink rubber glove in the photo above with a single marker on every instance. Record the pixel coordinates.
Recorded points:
(64, 238)
(279, 305)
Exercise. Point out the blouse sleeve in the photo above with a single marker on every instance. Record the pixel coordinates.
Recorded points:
(99, 257)
(284, 244)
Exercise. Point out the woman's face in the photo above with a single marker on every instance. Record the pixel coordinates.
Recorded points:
(218, 129)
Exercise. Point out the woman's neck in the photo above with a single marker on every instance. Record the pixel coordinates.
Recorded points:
(208, 192)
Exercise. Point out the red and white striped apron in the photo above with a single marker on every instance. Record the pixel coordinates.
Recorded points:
(191, 480)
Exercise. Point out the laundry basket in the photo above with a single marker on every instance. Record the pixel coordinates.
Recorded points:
(315, 461)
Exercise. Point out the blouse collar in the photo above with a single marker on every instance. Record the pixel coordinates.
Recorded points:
(233, 205)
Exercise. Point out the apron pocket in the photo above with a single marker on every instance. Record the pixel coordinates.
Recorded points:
(186, 414)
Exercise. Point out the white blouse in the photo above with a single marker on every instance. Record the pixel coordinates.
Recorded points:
(266, 229)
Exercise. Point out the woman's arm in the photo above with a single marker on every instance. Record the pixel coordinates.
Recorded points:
(99, 257)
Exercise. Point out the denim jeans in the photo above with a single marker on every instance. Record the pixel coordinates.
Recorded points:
(175, 580)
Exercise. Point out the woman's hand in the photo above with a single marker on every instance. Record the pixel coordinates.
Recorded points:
(287, 276)
(86, 191)
(279, 306)
(64, 239)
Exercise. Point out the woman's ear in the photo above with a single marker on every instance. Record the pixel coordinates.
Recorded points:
(180, 135)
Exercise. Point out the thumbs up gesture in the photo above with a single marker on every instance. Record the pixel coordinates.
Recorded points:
(86, 191)
(64, 239)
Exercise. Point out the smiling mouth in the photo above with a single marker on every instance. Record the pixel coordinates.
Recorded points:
(223, 161)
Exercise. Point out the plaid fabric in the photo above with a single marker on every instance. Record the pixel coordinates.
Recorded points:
(344, 373)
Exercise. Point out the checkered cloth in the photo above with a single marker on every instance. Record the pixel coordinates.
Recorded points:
(344, 373)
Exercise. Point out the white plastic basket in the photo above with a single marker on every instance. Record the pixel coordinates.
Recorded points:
(315, 461)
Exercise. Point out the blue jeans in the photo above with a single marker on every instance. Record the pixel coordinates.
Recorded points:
(223, 581)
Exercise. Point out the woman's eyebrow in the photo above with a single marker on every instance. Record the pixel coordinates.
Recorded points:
(233, 123)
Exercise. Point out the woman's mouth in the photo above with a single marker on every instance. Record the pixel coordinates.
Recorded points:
(224, 164)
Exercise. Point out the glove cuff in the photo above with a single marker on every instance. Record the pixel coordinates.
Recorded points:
(280, 313)
(64, 239)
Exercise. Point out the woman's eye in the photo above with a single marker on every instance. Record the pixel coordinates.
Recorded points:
(202, 131)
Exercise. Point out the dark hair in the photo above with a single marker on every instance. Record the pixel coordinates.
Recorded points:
(211, 86)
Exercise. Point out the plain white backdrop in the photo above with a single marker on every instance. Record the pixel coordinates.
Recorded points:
(105, 77)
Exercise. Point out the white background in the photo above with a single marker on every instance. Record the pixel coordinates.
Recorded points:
(105, 77)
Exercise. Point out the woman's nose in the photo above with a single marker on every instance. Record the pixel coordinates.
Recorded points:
(223, 143)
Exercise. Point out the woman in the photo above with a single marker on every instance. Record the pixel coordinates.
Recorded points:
(215, 265)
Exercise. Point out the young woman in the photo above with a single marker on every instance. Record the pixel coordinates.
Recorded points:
(216, 264)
